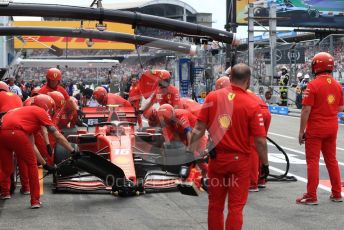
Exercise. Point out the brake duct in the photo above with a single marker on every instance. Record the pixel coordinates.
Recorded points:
(101, 14)
(104, 35)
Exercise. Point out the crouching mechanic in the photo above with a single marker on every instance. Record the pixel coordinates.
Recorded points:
(231, 116)
(104, 98)
(16, 135)
(321, 102)
(177, 124)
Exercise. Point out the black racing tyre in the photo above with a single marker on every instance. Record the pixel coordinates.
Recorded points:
(61, 154)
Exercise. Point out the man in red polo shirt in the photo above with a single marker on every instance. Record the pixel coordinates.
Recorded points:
(231, 116)
(16, 135)
(319, 125)
(105, 98)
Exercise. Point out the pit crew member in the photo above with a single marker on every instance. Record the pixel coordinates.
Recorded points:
(230, 127)
(319, 125)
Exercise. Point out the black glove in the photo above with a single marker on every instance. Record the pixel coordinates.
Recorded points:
(50, 150)
(75, 155)
(49, 168)
(139, 111)
(264, 171)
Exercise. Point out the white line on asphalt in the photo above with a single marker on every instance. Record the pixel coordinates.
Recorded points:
(293, 138)
(280, 135)
(277, 115)
(323, 187)
(303, 153)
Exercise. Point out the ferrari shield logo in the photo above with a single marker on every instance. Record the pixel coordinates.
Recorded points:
(224, 121)
(231, 96)
(329, 80)
(169, 96)
(55, 75)
(331, 99)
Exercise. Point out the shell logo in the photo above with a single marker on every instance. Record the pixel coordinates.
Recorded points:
(224, 121)
(231, 96)
(10, 94)
(331, 99)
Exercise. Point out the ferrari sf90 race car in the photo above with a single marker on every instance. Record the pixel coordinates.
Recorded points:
(116, 158)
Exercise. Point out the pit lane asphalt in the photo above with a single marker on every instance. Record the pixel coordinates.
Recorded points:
(274, 208)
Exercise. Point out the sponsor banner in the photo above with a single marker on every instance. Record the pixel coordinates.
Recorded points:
(41, 42)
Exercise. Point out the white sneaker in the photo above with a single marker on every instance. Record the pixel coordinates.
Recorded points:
(36, 205)
(5, 197)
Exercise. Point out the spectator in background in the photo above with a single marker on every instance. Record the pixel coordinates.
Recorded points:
(114, 85)
(26, 91)
(14, 88)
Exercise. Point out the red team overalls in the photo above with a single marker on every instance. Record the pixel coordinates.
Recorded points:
(16, 127)
(46, 89)
(255, 162)
(189, 105)
(113, 99)
(324, 94)
(231, 117)
(135, 99)
(8, 101)
(169, 95)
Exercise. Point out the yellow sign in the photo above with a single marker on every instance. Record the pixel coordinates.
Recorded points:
(242, 10)
(73, 43)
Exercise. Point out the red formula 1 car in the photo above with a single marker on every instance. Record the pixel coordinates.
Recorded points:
(116, 158)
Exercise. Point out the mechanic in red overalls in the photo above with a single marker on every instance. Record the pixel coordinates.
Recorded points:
(44, 141)
(54, 76)
(165, 93)
(189, 105)
(16, 135)
(178, 125)
(231, 116)
(256, 181)
(104, 98)
(152, 116)
(69, 115)
(135, 98)
(319, 125)
(8, 101)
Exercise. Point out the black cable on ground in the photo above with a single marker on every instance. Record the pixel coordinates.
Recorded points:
(283, 177)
